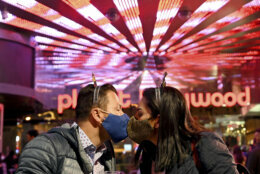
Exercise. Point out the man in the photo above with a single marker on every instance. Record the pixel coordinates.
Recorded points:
(253, 161)
(31, 134)
(82, 147)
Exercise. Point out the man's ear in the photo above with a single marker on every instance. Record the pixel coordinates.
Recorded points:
(157, 121)
(95, 113)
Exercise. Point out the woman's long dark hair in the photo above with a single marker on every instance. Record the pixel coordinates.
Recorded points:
(177, 127)
(145, 148)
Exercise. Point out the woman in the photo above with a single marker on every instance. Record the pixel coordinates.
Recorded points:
(181, 145)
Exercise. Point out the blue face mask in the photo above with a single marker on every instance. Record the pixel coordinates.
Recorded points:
(116, 126)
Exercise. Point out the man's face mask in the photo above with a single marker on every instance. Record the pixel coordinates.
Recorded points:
(139, 130)
(116, 126)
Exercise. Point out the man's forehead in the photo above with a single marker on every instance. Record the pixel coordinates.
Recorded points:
(112, 97)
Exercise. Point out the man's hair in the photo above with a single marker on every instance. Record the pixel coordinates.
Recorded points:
(33, 133)
(85, 100)
(257, 130)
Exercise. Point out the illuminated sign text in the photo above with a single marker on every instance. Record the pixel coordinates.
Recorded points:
(216, 99)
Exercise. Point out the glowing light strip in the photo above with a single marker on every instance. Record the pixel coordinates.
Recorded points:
(243, 12)
(224, 42)
(199, 15)
(147, 81)
(77, 4)
(25, 4)
(93, 14)
(130, 12)
(115, 60)
(123, 84)
(52, 48)
(43, 11)
(94, 59)
(59, 43)
(52, 85)
(22, 23)
(254, 3)
(67, 23)
(7, 18)
(166, 11)
(50, 31)
(211, 6)
(150, 64)
(43, 39)
(51, 67)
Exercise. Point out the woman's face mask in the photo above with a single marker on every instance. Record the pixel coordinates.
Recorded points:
(139, 130)
(116, 126)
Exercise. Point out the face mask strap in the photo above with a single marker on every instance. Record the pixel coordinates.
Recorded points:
(104, 111)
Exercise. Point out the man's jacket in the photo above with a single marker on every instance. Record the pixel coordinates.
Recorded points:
(60, 151)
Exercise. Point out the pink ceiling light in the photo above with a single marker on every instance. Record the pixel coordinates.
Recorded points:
(130, 12)
(246, 10)
(90, 12)
(205, 10)
(167, 10)
(47, 13)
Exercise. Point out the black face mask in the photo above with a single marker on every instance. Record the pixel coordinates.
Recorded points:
(139, 130)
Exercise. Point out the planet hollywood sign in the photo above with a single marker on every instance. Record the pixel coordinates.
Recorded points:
(216, 99)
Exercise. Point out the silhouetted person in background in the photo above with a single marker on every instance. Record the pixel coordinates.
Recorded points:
(11, 160)
(253, 161)
(238, 155)
(31, 134)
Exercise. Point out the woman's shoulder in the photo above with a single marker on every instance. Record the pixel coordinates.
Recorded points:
(210, 137)
(211, 145)
(214, 154)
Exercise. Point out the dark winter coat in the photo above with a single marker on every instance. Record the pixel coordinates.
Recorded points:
(213, 156)
(60, 152)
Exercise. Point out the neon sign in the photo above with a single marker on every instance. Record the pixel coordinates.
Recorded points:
(216, 99)
(66, 101)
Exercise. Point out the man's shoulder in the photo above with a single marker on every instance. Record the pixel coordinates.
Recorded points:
(43, 139)
(55, 137)
(211, 144)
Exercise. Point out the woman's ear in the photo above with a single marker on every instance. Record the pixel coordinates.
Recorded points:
(95, 114)
(157, 121)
